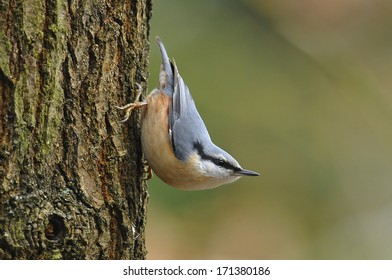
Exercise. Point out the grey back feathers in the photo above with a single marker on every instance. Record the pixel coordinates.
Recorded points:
(185, 123)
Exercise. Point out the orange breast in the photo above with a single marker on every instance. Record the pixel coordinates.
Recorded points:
(158, 149)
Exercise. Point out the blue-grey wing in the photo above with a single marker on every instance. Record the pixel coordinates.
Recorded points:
(186, 125)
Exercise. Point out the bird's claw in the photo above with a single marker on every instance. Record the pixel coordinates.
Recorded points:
(131, 106)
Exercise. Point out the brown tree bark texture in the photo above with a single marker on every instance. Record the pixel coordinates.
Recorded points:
(70, 172)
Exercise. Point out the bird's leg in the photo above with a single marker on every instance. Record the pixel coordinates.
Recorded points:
(135, 105)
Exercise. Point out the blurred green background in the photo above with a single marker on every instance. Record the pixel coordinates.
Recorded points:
(299, 91)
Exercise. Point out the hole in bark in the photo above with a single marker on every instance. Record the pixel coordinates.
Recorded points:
(55, 229)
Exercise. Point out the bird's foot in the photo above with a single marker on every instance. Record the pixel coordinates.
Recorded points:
(131, 106)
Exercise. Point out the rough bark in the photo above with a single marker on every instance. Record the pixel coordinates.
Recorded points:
(70, 172)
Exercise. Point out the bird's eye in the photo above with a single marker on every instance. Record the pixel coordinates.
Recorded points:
(220, 162)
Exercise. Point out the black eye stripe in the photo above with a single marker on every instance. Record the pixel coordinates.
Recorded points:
(216, 161)
(222, 163)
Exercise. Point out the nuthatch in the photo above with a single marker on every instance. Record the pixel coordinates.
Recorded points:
(174, 138)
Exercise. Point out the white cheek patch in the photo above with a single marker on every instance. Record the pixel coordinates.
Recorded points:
(211, 170)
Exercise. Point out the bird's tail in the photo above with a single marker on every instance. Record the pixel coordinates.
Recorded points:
(166, 76)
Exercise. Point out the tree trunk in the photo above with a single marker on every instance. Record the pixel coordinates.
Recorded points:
(70, 172)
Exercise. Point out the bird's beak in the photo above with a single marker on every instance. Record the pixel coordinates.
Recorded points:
(244, 172)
